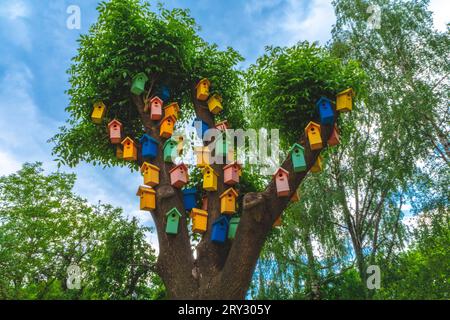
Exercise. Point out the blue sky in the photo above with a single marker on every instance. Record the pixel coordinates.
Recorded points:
(36, 48)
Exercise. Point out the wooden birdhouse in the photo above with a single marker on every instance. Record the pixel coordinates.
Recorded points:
(150, 173)
(156, 105)
(209, 178)
(325, 110)
(281, 177)
(344, 100)
(164, 93)
(203, 89)
(172, 109)
(205, 203)
(167, 126)
(138, 84)
(221, 146)
(179, 176)
(228, 201)
(231, 173)
(189, 198)
(222, 126)
(147, 198)
(312, 131)
(219, 230)
(232, 228)
(199, 220)
(203, 156)
(180, 145)
(278, 222)
(149, 146)
(170, 150)
(98, 112)
(215, 104)
(115, 131)
(129, 149)
(172, 221)
(317, 166)
(298, 157)
(334, 138)
(200, 127)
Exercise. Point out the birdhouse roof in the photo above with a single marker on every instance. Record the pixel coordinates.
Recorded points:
(196, 211)
(173, 210)
(223, 123)
(313, 124)
(208, 167)
(234, 163)
(148, 165)
(322, 99)
(114, 121)
(235, 220)
(156, 98)
(229, 190)
(173, 104)
(281, 170)
(349, 90)
(148, 138)
(145, 189)
(180, 166)
(140, 75)
(169, 116)
(221, 219)
(169, 141)
(295, 146)
(216, 96)
(189, 191)
(127, 139)
(203, 80)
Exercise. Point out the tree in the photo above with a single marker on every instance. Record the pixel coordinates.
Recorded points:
(129, 38)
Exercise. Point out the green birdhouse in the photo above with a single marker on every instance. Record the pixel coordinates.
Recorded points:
(221, 146)
(138, 85)
(173, 219)
(298, 157)
(170, 150)
(234, 222)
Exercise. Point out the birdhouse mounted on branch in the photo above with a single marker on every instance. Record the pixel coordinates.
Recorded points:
(156, 105)
(219, 230)
(203, 156)
(150, 173)
(232, 228)
(325, 110)
(149, 146)
(180, 145)
(172, 221)
(129, 149)
(167, 126)
(231, 173)
(164, 93)
(344, 100)
(281, 177)
(147, 198)
(199, 220)
(298, 157)
(170, 150)
(172, 109)
(312, 131)
(138, 84)
(209, 178)
(222, 126)
(98, 112)
(215, 104)
(189, 198)
(228, 201)
(334, 138)
(179, 176)
(115, 131)
(203, 89)
(317, 166)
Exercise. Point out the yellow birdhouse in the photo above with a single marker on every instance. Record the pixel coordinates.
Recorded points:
(228, 201)
(129, 149)
(172, 110)
(215, 104)
(167, 125)
(98, 112)
(147, 198)
(203, 89)
(150, 173)
(199, 220)
(317, 167)
(344, 100)
(203, 156)
(209, 178)
(312, 131)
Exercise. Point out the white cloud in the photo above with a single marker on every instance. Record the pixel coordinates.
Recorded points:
(8, 164)
(14, 14)
(14, 10)
(441, 13)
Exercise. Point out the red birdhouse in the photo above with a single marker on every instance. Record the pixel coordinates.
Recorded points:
(179, 176)
(231, 173)
(334, 138)
(115, 131)
(281, 177)
(156, 108)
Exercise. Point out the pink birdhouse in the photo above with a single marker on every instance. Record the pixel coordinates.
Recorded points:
(156, 108)
(115, 131)
(334, 138)
(281, 177)
(179, 176)
(231, 173)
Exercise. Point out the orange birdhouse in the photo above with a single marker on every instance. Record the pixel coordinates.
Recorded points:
(203, 89)
(231, 173)
(148, 198)
(344, 100)
(199, 220)
(334, 138)
(167, 125)
(222, 126)
(203, 156)
(172, 110)
(129, 149)
(312, 131)
(281, 177)
(179, 176)
(228, 201)
(115, 131)
(150, 173)
(98, 112)
(156, 108)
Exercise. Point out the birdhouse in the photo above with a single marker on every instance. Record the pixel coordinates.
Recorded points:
(138, 84)
(221, 146)
(189, 198)
(200, 127)
(228, 201)
(149, 146)
(232, 228)
(203, 89)
(119, 152)
(167, 125)
(312, 131)
(172, 109)
(222, 126)
(199, 220)
(172, 221)
(325, 110)
(115, 131)
(180, 145)
(215, 104)
(298, 157)
(98, 112)
(231, 173)
(164, 93)
(317, 166)
(281, 177)
(219, 230)
(278, 222)
(179, 176)
(295, 197)
(156, 104)
(170, 148)
(334, 138)
(203, 156)
(150, 173)
(209, 179)
(129, 149)
(147, 198)
(344, 100)
(205, 203)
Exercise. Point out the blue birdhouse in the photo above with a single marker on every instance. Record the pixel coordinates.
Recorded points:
(200, 126)
(149, 146)
(325, 110)
(189, 198)
(219, 230)
(164, 93)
